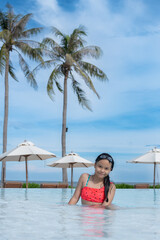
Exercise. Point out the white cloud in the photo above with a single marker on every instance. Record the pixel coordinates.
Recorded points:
(109, 30)
(130, 44)
(122, 45)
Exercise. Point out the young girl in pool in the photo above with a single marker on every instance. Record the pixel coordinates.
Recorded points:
(96, 189)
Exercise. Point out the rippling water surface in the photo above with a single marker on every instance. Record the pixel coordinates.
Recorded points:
(44, 214)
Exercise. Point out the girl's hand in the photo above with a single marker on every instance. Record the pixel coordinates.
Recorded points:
(77, 192)
(111, 194)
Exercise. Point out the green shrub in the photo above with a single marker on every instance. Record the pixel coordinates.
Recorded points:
(124, 185)
(156, 186)
(31, 185)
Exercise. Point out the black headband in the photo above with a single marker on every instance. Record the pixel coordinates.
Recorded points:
(107, 157)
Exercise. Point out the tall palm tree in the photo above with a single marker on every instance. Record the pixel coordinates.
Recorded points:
(15, 37)
(67, 59)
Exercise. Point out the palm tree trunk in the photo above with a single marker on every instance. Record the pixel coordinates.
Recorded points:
(5, 123)
(64, 170)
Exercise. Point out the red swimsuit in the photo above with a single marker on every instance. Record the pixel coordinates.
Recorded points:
(92, 194)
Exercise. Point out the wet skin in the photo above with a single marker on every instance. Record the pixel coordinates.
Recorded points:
(102, 169)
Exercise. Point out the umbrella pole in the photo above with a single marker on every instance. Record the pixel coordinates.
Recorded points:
(26, 172)
(71, 175)
(154, 175)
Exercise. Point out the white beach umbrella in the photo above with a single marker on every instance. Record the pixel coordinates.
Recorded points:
(71, 160)
(26, 151)
(151, 157)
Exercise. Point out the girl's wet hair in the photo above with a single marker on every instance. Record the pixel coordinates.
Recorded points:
(106, 156)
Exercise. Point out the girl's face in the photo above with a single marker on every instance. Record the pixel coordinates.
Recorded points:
(102, 168)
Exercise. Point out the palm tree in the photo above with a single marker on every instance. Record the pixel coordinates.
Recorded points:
(15, 37)
(67, 58)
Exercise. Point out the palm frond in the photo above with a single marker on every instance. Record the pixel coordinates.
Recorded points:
(31, 43)
(86, 78)
(93, 70)
(43, 65)
(15, 19)
(64, 43)
(83, 101)
(58, 86)
(3, 21)
(88, 51)
(5, 35)
(50, 42)
(56, 49)
(81, 30)
(55, 75)
(32, 53)
(75, 40)
(11, 72)
(19, 26)
(56, 32)
(82, 73)
(2, 58)
(30, 32)
(28, 74)
(2, 66)
(2, 63)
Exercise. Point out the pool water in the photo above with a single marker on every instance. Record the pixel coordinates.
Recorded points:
(44, 214)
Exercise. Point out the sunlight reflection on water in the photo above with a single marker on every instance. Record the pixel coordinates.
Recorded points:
(44, 214)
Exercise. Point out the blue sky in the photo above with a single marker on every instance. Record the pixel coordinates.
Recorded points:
(125, 121)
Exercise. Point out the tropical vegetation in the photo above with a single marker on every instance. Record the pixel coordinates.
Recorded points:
(66, 56)
(15, 37)
(31, 185)
(67, 59)
(118, 185)
(124, 185)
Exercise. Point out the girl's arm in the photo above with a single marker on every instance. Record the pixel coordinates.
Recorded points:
(111, 194)
(77, 192)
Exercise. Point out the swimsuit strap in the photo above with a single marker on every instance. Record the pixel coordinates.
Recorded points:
(88, 180)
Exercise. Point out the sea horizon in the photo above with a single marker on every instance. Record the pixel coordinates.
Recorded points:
(75, 183)
(123, 172)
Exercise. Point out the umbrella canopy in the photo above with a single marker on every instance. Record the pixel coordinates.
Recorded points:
(152, 157)
(71, 160)
(26, 151)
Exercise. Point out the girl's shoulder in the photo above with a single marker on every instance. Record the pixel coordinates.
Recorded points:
(84, 178)
(112, 185)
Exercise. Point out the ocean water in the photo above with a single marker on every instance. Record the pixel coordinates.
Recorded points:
(40, 214)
